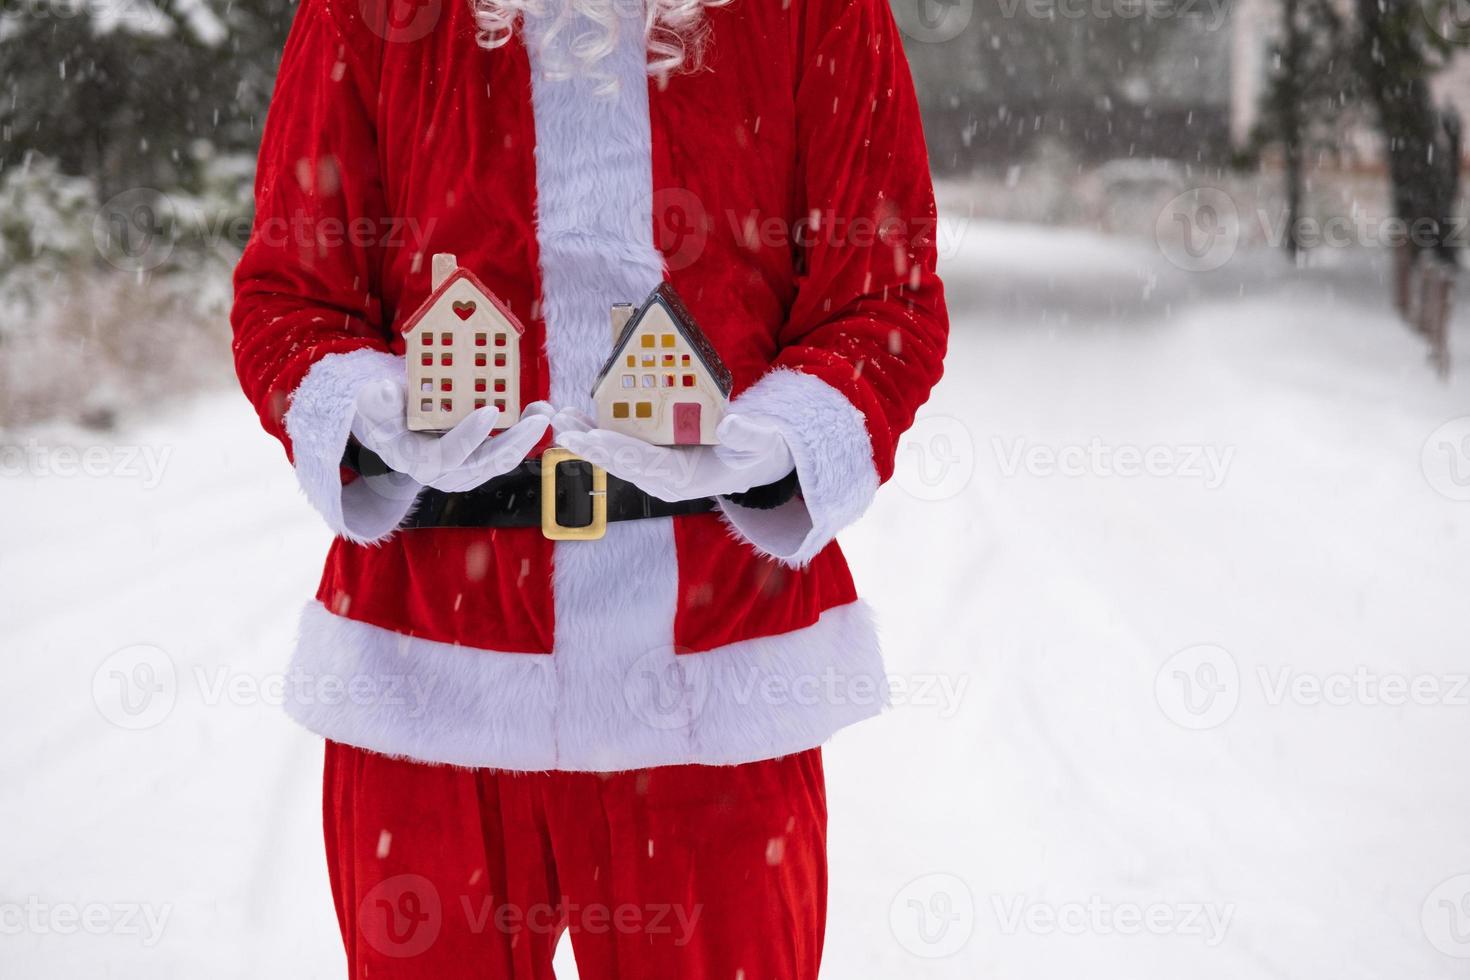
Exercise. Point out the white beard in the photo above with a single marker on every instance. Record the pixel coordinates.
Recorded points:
(672, 32)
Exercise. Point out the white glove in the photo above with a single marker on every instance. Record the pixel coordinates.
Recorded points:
(751, 453)
(460, 459)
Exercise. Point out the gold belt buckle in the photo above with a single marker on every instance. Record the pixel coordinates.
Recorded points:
(550, 460)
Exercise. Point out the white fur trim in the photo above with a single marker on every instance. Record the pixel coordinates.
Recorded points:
(318, 423)
(834, 463)
(757, 699)
(615, 599)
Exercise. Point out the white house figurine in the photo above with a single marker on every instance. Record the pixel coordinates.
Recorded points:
(664, 383)
(463, 350)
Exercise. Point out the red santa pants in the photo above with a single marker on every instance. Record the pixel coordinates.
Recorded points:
(673, 873)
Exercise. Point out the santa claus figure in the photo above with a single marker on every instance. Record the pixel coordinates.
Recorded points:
(585, 693)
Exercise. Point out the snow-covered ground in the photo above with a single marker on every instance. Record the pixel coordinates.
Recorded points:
(1208, 720)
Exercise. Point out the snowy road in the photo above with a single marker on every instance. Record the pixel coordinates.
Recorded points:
(1207, 720)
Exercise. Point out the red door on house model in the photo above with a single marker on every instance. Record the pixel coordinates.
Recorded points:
(686, 424)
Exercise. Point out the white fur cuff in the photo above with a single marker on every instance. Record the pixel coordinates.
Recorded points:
(834, 464)
(318, 423)
(762, 698)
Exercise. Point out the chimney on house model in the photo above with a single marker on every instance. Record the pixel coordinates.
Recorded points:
(443, 268)
(621, 314)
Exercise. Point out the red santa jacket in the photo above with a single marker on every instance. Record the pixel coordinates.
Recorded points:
(782, 187)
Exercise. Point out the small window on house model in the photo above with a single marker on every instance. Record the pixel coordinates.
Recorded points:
(668, 360)
(500, 404)
(629, 381)
(684, 360)
(632, 361)
(620, 410)
(446, 385)
(446, 338)
(426, 405)
(426, 385)
(646, 340)
(481, 339)
(479, 384)
(499, 384)
(479, 403)
(500, 360)
(648, 381)
(481, 360)
(667, 340)
(689, 381)
(446, 404)
(500, 340)
(446, 360)
(427, 339)
(649, 360)
(668, 381)
(427, 360)
(644, 410)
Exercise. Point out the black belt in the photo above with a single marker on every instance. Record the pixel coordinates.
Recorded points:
(585, 498)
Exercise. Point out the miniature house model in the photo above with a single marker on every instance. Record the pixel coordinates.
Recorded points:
(664, 382)
(463, 351)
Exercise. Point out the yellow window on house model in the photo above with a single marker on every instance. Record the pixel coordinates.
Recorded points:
(647, 340)
(620, 410)
(645, 410)
(668, 340)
